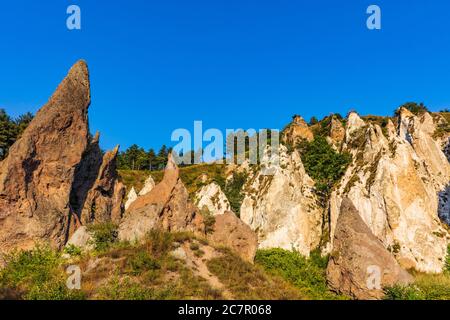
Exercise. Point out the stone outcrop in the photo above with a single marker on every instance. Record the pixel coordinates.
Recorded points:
(395, 181)
(212, 199)
(104, 200)
(149, 184)
(282, 208)
(131, 197)
(44, 181)
(166, 207)
(360, 266)
(81, 239)
(297, 131)
(231, 232)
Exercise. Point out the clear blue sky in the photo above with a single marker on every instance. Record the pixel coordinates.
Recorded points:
(159, 65)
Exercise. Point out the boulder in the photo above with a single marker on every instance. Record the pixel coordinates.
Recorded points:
(232, 232)
(81, 239)
(358, 257)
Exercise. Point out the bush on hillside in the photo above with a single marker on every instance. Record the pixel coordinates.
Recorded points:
(323, 163)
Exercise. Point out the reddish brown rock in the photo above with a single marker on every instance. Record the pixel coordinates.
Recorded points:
(358, 256)
(232, 232)
(297, 131)
(36, 178)
(166, 207)
(49, 172)
(104, 199)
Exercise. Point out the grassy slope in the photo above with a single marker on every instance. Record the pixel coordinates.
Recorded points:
(141, 272)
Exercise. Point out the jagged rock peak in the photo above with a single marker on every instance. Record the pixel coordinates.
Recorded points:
(212, 198)
(131, 197)
(283, 208)
(359, 265)
(354, 123)
(297, 131)
(149, 184)
(36, 178)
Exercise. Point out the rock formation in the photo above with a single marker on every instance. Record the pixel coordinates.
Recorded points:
(231, 232)
(297, 131)
(394, 181)
(148, 186)
(282, 208)
(166, 207)
(360, 266)
(131, 197)
(45, 181)
(213, 199)
(104, 199)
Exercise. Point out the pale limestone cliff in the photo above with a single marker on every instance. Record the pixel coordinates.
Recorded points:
(148, 186)
(283, 208)
(395, 181)
(213, 199)
(131, 197)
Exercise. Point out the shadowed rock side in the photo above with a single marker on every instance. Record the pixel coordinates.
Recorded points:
(166, 206)
(50, 168)
(357, 257)
(104, 200)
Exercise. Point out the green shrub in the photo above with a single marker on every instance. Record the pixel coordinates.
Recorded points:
(72, 250)
(159, 242)
(308, 275)
(141, 262)
(233, 191)
(250, 282)
(104, 235)
(194, 246)
(425, 287)
(323, 163)
(414, 107)
(38, 275)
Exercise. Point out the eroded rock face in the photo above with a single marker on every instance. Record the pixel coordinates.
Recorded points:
(213, 199)
(230, 231)
(282, 208)
(131, 197)
(148, 186)
(49, 172)
(104, 200)
(82, 239)
(36, 178)
(166, 207)
(297, 131)
(395, 181)
(359, 257)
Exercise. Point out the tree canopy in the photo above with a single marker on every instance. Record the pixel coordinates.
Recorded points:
(11, 129)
